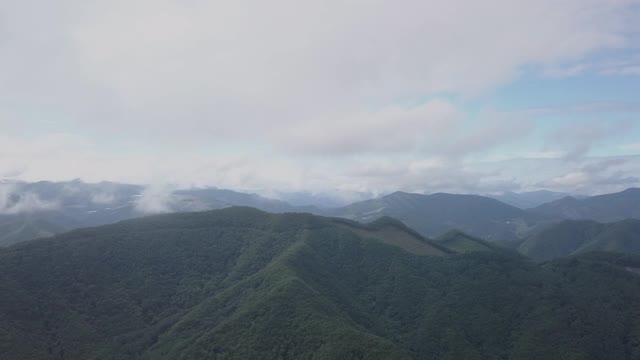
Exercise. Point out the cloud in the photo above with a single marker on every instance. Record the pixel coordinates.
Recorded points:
(392, 129)
(495, 129)
(603, 165)
(431, 175)
(103, 198)
(571, 180)
(597, 176)
(13, 201)
(226, 70)
(631, 147)
(256, 95)
(579, 138)
(154, 199)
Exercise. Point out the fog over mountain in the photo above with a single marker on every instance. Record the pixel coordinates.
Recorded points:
(33, 210)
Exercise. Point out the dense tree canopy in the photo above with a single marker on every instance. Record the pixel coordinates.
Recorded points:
(243, 284)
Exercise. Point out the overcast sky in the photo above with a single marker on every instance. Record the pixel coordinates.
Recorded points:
(414, 95)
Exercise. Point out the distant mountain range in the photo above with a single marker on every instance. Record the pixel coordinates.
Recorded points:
(433, 215)
(571, 237)
(603, 208)
(31, 210)
(490, 219)
(527, 200)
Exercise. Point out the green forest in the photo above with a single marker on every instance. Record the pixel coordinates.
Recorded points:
(240, 283)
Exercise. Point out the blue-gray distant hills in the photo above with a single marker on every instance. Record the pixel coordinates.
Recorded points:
(603, 208)
(572, 237)
(33, 210)
(529, 199)
(436, 214)
(488, 218)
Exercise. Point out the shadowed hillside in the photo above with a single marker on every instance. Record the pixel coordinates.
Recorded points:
(572, 237)
(463, 243)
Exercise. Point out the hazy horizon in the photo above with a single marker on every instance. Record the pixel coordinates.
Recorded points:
(323, 97)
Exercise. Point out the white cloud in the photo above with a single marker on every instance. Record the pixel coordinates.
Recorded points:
(571, 180)
(18, 202)
(154, 199)
(578, 139)
(392, 129)
(282, 94)
(219, 69)
(103, 198)
(631, 147)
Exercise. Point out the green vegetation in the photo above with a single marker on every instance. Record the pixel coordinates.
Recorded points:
(573, 237)
(21, 227)
(243, 284)
(463, 243)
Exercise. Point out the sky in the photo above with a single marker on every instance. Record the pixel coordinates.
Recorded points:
(353, 96)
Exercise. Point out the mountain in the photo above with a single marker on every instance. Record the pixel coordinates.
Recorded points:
(212, 198)
(331, 199)
(20, 227)
(531, 199)
(33, 210)
(433, 215)
(602, 208)
(578, 236)
(464, 243)
(239, 283)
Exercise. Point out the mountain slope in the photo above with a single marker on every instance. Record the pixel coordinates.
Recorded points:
(20, 227)
(463, 243)
(134, 279)
(243, 284)
(577, 236)
(602, 208)
(527, 200)
(433, 215)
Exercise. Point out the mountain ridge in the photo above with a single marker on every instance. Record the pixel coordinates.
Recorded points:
(571, 237)
(433, 215)
(603, 208)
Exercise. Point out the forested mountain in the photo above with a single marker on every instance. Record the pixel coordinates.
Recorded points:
(32, 210)
(463, 243)
(433, 215)
(578, 236)
(602, 208)
(530, 199)
(15, 228)
(212, 199)
(239, 283)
